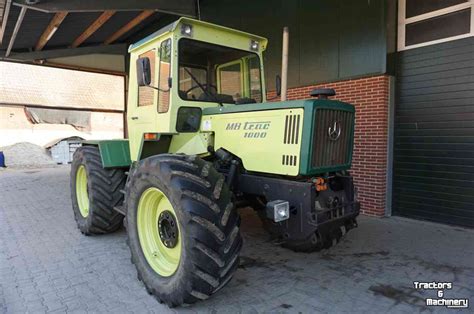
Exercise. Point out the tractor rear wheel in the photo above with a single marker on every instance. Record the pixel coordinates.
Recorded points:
(183, 229)
(95, 192)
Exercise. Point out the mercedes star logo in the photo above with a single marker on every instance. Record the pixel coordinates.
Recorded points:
(334, 132)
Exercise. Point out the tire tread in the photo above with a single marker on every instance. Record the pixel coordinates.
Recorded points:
(104, 193)
(207, 201)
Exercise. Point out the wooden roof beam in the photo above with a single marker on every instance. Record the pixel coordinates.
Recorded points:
(127, 27)
(50, 30)
(104, 17)
(115, 49)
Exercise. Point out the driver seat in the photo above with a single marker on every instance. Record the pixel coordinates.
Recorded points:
(228, 99)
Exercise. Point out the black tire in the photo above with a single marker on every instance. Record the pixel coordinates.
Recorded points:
(322, 239)
(209, 224)
(103, 187)
(314, 243)
(208, 221)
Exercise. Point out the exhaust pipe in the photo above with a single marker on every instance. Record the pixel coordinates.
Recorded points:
(284, 64)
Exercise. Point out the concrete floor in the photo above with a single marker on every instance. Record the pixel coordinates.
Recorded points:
(47, 265)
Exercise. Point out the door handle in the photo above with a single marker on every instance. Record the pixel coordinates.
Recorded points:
(134, 118)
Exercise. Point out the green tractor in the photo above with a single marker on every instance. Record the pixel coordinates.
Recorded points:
(203, 140)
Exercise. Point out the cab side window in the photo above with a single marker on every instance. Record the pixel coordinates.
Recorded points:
(145, 93)
(165, 73)
(254, 79)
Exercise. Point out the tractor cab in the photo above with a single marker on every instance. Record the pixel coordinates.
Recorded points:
(181, 70)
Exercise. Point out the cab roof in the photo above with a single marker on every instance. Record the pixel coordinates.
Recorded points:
(184, 20)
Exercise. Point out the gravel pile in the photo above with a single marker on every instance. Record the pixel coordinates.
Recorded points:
(26, 155)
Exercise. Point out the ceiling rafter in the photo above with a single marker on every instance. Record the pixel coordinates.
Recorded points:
(104, 17)
(175, 7)
(117, 49)
(50, 30)
(130, 25)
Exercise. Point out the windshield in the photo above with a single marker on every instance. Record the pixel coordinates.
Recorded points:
(213, 73)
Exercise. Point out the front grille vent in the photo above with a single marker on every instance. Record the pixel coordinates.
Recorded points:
(332, 150)
(288, 160)
(292, 129)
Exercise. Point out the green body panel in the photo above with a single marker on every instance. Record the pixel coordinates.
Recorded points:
(305, 150)
(258, 139)
(306, 103)
(114, 153)
(190, 143)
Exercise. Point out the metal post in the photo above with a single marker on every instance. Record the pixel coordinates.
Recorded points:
(391, 122)
(15, 31)
(284, 64)
(6, 12)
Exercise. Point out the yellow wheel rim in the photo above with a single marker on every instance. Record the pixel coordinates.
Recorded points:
(81, 191)
(158, 232)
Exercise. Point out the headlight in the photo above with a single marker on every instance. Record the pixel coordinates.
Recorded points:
(278, 210)
(254, 45)
(187, 30)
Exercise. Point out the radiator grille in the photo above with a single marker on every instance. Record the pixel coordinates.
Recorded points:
(335, 150)
(292, 128)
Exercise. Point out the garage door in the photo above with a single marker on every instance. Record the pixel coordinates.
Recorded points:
(434, 133)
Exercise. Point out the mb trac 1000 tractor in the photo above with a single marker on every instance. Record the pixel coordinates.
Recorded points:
(203, 140)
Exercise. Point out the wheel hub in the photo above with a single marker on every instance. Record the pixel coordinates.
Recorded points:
(158, 232)
(82, 194)
(168, 229)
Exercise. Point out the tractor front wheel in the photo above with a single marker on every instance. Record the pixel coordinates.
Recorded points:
(183, 229)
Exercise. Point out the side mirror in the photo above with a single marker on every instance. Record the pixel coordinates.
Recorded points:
(170, 82)
(278, 85)
(143, 71)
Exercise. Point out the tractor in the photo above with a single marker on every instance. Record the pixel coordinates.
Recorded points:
(203, 140)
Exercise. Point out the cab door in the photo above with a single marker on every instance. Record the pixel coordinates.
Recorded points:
(142, 109)
(149, 109)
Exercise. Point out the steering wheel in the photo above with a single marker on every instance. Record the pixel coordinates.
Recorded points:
(206, 87)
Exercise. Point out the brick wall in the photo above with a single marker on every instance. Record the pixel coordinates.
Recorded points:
(370, 97)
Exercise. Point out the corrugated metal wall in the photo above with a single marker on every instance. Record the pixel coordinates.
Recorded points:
(329, 39)
(434, 133)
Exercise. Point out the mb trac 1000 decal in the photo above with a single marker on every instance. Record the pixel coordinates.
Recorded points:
(252, 129)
